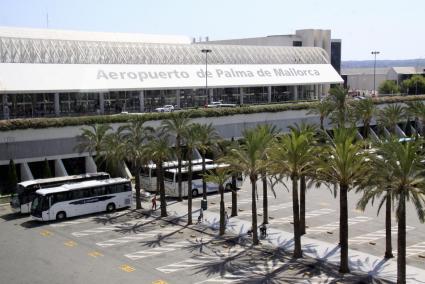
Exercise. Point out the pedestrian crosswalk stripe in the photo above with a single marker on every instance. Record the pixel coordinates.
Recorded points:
(415, 249)
(335, 225)
(270, 208)
(159, 250)
(310, 214)
(375, 235)
(116, 227)
(136, 237)
(197, 261)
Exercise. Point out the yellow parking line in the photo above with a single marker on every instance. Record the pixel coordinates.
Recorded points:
(127, 268)
(95, 254)
(70, 244)
(46, 233)
(159, 282)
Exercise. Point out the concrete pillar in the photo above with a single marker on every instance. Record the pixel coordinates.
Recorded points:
(241, 94)
(142, 101)
(124, 171)
(295, 93)
(102, 103)
(57, 104)
(269, 94)
(6, 109)
(210, 95)
(178, 99)
(316, 92)
(26, 173)
(60, 170)
(90, 165)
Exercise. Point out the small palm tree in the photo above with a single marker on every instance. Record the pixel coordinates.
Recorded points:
(322, 109)
(417, 110)
(364, 110)
(390, 115)
(207, 136)
(159, 151)
(340, 113)
(178, 124)
(220, 176)
(403, 181)
(342, 165)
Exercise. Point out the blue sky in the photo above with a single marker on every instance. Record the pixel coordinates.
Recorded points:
(395, 28)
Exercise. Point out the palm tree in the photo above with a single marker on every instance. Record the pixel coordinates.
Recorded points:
(322, 109)
(291, 156)
(249, 160)
(220, 176)
(390, 115)
(92, 140)
(178, 124)
(364, 111)
(403, 180)
(159, 151)
(339, 105)
(207, 137)
(417, 110)
(342, 164)
(134, 136)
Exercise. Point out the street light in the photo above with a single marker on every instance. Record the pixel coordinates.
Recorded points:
(374, 71)
(206, 51)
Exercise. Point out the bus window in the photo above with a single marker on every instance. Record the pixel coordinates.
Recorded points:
(99, 191)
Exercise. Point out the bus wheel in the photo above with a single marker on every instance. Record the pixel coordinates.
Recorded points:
(228, 187)
(61, 216)
(110, 207)
(195, 192)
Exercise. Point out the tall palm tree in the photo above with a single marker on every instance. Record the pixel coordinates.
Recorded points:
(417, 110)
(364, 110)
(220, 176)
(342, 164)
(403, 181)
(322, 108)
(92, 140)
(390, 115)
(340, 114)
(134, 136)
(207, 137)
(249, 160)
(178, 124)
(159, 151)
(291, 156)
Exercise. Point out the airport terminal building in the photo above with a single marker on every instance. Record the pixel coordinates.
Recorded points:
(46, 73)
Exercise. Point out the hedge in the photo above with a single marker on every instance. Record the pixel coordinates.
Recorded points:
(15, 124)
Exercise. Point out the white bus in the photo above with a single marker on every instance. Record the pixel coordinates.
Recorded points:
(25, 191)
(171, 182)
(82, 198)
(148, 173)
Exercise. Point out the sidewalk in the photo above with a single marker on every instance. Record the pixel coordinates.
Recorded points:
(375, 267)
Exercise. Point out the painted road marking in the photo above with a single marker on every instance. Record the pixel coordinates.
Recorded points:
(70, 244)
(270, 209)
(415, 249)
(309, 214)
(46, 233)
(375, 235)
(94, 254)
(127, 268)
(159, 282)
(116, 227)
(136, 237)
(335, 225)
(198, 260)
(89, 219)
(164, 249)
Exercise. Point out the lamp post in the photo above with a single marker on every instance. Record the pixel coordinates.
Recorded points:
(374, 71)
(206, 51)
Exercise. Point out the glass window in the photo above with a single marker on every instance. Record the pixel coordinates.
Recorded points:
(77, 194)
(60, 197)
(99, 191)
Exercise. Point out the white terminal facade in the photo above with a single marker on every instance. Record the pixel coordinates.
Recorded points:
(47, 72)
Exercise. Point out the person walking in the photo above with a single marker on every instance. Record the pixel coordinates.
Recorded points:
(154, 203)
(201, 216)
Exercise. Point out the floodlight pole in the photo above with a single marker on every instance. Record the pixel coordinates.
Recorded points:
(206, 51)
(374, 71)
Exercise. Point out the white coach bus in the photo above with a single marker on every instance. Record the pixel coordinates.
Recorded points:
(82, 198)
(171, 182)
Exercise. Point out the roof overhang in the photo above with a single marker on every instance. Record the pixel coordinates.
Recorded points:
(22, 77)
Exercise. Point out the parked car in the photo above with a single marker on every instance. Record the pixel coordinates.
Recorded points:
(165, 108)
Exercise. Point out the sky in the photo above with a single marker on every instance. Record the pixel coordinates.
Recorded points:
(395, 28)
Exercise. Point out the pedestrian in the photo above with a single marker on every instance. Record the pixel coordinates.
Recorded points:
(201, 216)
(154, 203)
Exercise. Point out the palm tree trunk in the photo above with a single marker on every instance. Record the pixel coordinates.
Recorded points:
(222, 225)
(179, 167)
(234, 197)
(401, 242)
(162, 189)
(137, 187)
(388, 241)
(265, 201)
(343, 228)
(204, 184)
(296, 213)
(302, 205)
(365, 129)
(254, 229)
(322, 118)
(189, 190)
